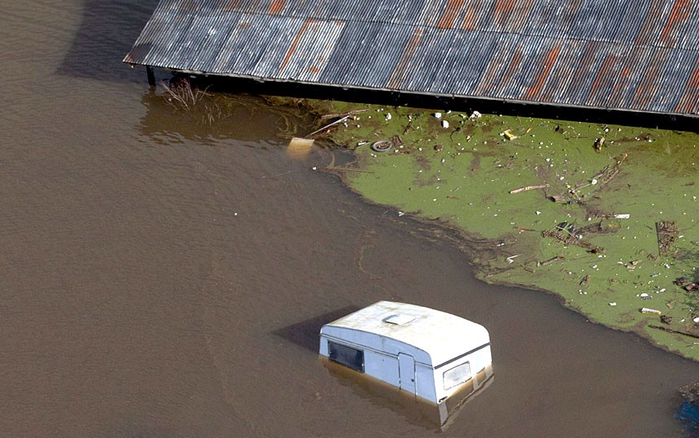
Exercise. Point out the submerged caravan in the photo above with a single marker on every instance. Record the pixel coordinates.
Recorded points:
(425, 353)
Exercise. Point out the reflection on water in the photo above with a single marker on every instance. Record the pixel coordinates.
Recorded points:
(156, 272)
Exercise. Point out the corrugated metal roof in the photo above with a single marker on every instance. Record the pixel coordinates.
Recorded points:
(639, 55)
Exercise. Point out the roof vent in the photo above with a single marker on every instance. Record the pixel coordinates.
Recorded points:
(399, 319)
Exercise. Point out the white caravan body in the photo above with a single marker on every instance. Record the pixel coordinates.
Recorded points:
(421, 351)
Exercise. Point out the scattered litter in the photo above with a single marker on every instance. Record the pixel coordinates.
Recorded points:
(511, 258)
(622, 216)
(445, 124)
(476, 115)
(645, 296)
(437, 115)
(558, 198)
(696, 319)
(509, 135)
(691, 286)
(652, 311)
(681, 281)
(381, 146)
(632, 265)
(665, 319)
(598, 144)
(388, 116)
(613, 304)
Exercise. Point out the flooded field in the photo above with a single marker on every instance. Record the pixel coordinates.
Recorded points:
(162, 277)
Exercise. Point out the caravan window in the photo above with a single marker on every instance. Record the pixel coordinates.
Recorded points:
(457, 375)
(348, 356)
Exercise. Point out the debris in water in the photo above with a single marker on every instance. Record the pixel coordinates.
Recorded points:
(509, 135)
(667, 234)
(549, 261)
(299, 147)
(511, 258)
(558, 198)
(397, 142)
(526, 188)
(598, 144)
(678, 332)
(681, 281)
(381, 146)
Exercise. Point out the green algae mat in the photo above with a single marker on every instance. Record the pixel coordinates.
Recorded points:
(604, 216)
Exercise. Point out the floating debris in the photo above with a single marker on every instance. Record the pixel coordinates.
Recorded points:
(527, 188)
(509, 135)
(598, 144)
(381, 146)
(678, 332)
(549, 261)
(299, 147)
(397, 142)
(667, 234)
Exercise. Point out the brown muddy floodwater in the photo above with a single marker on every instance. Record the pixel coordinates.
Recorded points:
(159, 278)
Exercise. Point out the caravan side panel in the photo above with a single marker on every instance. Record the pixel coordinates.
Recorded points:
(425, 382)
(381, 366)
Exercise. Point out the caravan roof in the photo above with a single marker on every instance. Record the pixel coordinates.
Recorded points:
(439, 334)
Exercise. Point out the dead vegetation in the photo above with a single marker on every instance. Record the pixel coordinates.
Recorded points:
(181, 95)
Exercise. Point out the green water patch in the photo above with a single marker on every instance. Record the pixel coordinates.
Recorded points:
(604, 216)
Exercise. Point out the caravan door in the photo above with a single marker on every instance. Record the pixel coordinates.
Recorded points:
(406, 369)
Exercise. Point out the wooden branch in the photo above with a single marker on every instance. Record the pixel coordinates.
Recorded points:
(348, 113)
(526, 188)
(674, 332)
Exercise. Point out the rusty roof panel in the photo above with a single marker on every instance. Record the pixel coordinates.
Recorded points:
(639, 55)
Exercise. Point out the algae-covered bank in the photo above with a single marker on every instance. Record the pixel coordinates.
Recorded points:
(604, 216)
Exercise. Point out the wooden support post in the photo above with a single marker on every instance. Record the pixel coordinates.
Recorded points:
(151, 76)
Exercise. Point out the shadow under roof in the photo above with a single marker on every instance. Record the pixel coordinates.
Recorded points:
(628, 55)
